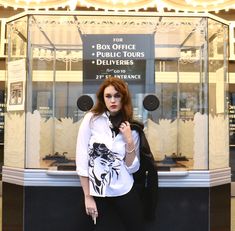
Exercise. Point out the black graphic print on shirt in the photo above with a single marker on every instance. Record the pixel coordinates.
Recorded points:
(104, 167)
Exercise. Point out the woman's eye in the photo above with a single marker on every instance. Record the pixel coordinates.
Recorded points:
(117, 96)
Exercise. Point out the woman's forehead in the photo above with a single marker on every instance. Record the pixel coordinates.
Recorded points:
(110, 89)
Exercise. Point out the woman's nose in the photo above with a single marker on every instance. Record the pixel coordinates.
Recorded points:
(113, 99)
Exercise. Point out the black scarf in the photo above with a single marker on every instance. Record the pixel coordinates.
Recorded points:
(116, 121)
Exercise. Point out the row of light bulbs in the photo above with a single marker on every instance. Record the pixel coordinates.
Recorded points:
(191, 5)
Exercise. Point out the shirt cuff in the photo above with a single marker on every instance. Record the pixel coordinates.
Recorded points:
(134, 167)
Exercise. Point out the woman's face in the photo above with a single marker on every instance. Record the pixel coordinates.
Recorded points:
(112, 99)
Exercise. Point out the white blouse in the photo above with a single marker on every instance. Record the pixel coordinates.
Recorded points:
(100, 156)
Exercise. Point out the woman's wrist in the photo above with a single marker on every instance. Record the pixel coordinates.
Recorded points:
(88, 196)
(130, 147)
(130, 151)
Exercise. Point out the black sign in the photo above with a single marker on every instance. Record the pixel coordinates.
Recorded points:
(122, 56)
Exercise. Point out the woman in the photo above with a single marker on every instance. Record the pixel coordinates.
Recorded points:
(107, 155)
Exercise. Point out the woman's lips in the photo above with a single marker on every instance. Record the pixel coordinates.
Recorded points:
(113, 106)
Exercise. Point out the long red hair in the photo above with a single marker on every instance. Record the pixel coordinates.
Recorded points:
(120, 86)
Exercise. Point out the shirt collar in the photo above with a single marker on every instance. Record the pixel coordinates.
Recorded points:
(105, 114)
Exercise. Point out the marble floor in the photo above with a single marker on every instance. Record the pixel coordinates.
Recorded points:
(232, 214)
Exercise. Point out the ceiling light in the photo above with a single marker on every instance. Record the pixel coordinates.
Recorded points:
(124, 5)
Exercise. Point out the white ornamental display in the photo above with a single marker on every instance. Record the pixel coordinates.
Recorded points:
(32, 141)
(162, 137)
(14, 143)
(183, 137)
(200, 151)
(218, 142)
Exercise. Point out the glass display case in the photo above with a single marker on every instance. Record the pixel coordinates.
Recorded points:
(53, 59)
(176, 68)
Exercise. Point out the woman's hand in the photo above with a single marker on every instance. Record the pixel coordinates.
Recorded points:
(90, 204)
(91, 208)
(125, 129)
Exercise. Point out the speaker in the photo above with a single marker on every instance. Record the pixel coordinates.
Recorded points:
(85, 103)
(151, 102)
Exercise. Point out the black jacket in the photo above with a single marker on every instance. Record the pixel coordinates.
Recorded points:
(146, 178)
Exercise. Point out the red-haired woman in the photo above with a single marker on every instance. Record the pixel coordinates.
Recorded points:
(107, 155)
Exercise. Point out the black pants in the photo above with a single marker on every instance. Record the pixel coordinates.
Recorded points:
(122, 213)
